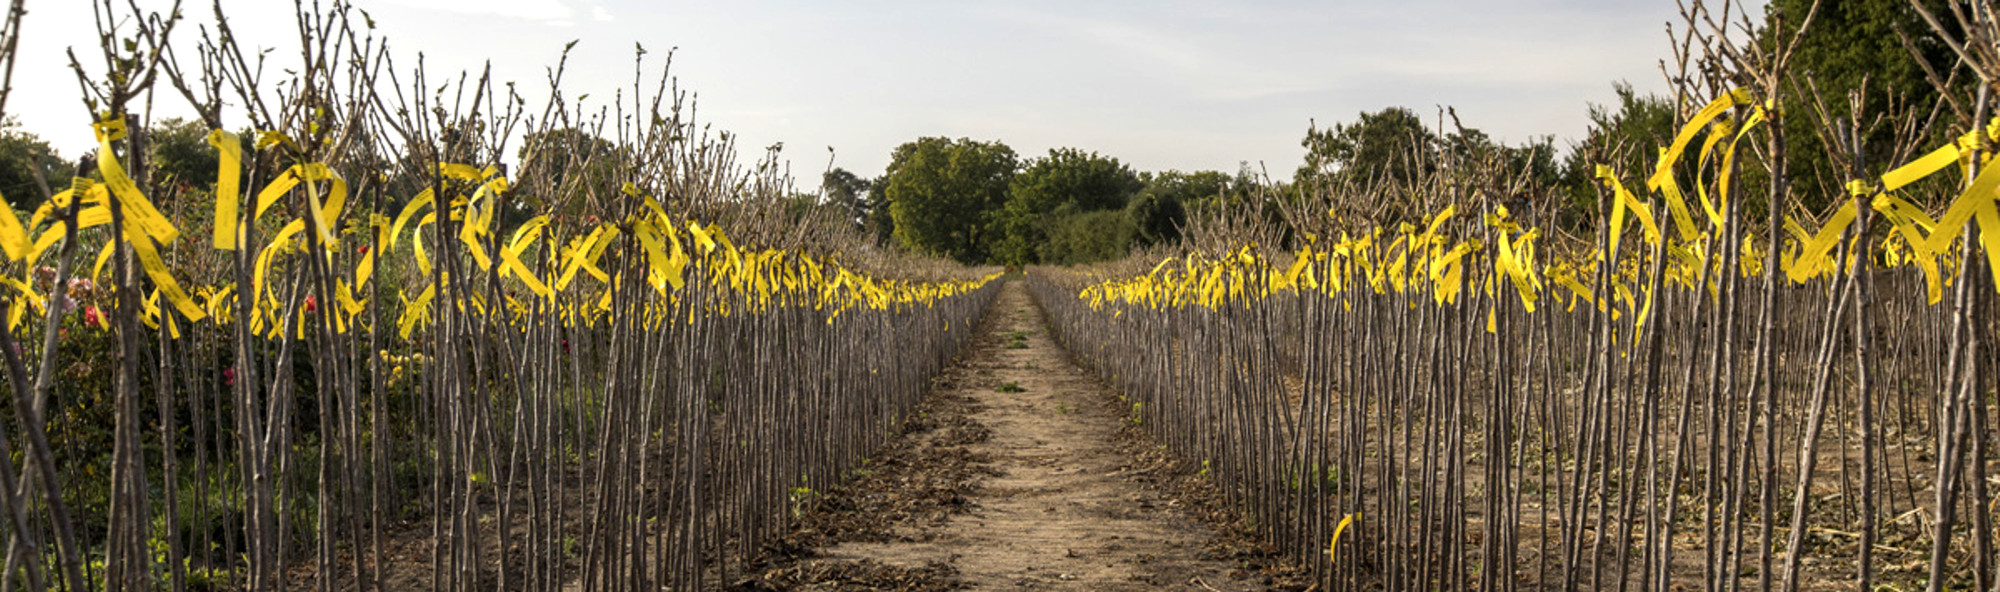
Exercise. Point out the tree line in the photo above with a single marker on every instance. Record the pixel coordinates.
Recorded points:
(981, 202)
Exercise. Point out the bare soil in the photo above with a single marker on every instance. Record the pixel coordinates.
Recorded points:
(1019, 473)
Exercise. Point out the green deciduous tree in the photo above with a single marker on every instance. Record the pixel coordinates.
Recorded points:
(181, 155)
(568, 161)
(1625, 136)
(21, 153)
(1372, 165)
(581, 171)
(880, 219)
(1392, 144)
(1069, 179)
(1858, 45)
(944, 195)
(1160, 209)
(850, 192)
(1074, 237)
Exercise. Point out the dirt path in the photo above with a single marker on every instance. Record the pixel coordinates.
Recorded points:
(1053, 500)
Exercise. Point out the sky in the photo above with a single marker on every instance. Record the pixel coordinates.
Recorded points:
(1187, 85)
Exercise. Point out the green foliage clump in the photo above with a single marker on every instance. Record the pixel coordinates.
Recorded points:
(967, 200)
(1160, 209)
(1085, 237)
(1056, 189)
(21, 155)
(181, 155)
(1857, 46)
(944, 195)
(1392, 144)
(1621, 136)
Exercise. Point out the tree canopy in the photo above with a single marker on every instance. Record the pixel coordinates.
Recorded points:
(181, 154)
(21, 154)
(1160, 210)
(1392, 144)
(1067, 181)
(570, 160)
(851, 193)
(944, 195)
(1083, 237)
(1858, 46)
(978, 203)
(1623, 136)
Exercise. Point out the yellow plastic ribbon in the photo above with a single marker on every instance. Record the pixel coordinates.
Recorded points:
(228, 186)
(13, 237)
(138, 210)
(1334, 545)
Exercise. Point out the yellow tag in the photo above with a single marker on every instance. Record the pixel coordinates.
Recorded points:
(1814, 251)
(1334, 545)
(410, 209)
(149, 260)
(416, 311)
(228, 181)
(138, 211)
(13, 238)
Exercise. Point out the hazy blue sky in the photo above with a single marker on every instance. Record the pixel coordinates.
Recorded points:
(1160, 85)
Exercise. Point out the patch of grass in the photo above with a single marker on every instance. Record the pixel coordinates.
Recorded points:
(1018, 339)
(1010, 387)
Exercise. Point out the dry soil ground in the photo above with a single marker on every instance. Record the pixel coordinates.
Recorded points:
(1020, 474)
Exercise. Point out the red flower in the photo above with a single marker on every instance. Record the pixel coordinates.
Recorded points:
(363, 249)
(312, 304)
(229, 376)
(90, 316)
